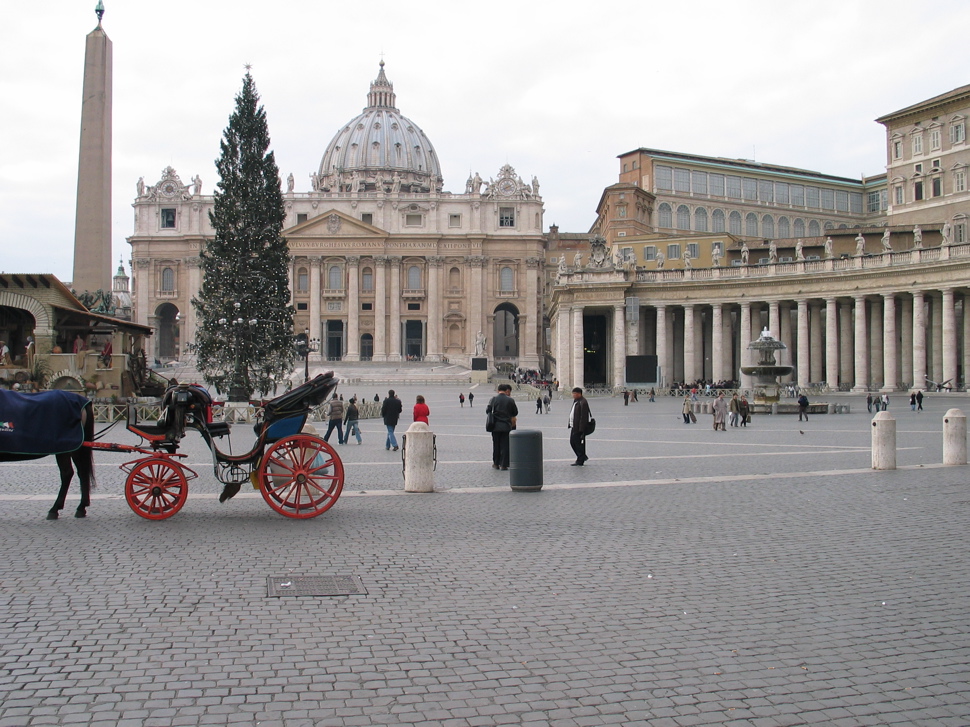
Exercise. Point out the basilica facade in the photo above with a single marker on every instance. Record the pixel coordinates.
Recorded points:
(384, 264)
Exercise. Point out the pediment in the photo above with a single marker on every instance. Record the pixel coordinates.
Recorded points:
(334, 223)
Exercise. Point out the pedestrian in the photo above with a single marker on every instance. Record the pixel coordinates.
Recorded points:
(633, 394)
(579, 420)
(735, 410)
(653, 394)
(687, 409)
(391, 413)
(720, 410)
(461, 400)
(744, 409)
(869, 402)
(4, 354)
(912, 401)
(352, 421)
(502, 411)
(538, 405)
(877, 404)
(626, 398)
(471, 399)
(336, 415)
(546, 401)
(919, 400)
(802, 407)
(885, 402)
(377, 398)
(421, 410)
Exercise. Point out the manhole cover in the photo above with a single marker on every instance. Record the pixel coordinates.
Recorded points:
(314, 586)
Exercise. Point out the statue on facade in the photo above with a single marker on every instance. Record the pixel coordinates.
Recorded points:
(917, 237)
(337, 183)
(687, 263)
(716, 254)
(562, 265)
(772, 252)
(290, 183)
(578, 260)
(476, 184)
(799, 249)
(945, 234)
(860, 244)
(355, 182)
(396, 184)
(535, 186)
(886, 244)
(196, 185)
(314, 181)
(480, 342)
(661, 259)
(828, 248)
(140, 186)
(745, 252)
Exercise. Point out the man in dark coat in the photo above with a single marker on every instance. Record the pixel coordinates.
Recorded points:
(578, 425)
(391, 412)
(503, 410)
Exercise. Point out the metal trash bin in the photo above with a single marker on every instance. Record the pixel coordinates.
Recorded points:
(525, 460)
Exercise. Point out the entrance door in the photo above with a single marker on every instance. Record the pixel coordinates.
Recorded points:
(413, 340)
(595, 350)
(335, 340)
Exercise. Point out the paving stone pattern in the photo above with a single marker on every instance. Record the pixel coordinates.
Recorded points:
(762, 577)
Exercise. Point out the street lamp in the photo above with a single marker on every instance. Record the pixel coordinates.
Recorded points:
(304, 347)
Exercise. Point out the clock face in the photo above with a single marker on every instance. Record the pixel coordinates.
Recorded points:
(506, 187)
(169, 189)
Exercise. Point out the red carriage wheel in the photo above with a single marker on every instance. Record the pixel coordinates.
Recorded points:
(301, 476)
(156, 488)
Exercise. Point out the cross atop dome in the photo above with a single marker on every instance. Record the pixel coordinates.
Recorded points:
(381, 92)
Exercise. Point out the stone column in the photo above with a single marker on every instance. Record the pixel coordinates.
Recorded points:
(949, 338)
(661, 343)
(919, 340)
(774, 319)
(890, 377)
(744, 354)
(936, 338)
(380, 308)
(717, 342)
(861, 347)
(315, 300)
(816, 349)
(194, 267)
(394, 320)
(142, 284)
(619, 345)
(875, 342)
(353, 308)
(846, 345)
(564, 329)
(476, 321)
(906, 341)
(803, 345)
(434, 309)
(529, 348)
(690, 373)
(832, 343)
(966, 340)
(578, 348)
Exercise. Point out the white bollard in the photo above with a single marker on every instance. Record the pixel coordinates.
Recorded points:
(418, 454)
(954, 437)
(883, 441)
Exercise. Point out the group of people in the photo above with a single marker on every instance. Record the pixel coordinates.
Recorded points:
(880, 402)
(471, 399)
(736, 413)
(347, 415)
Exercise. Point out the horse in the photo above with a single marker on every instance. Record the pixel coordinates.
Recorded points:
(51, 422)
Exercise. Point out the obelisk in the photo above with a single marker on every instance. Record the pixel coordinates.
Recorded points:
(92, 227)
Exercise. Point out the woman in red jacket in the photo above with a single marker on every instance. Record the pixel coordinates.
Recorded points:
(421, 410)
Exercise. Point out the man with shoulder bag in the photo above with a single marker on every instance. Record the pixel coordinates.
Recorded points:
(500, 420)
(580, 424)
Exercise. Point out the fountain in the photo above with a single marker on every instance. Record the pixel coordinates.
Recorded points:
(766, 372)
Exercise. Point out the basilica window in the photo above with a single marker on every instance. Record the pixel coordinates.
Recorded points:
(302, 280)
(768, 226)
(682, 180)
(717, 221)
(813, 229)
(693, 250)
(700, 219)
(766, 191)
(367, 279)
(898, 195)
(506, 217)
(827, 199)
(958, 132)
(799, 227)
(717, 184)
(842, 201)
(960, 181)
(935, 139)
(855, 203)
(781, 193)
(301, 217)
(683, 217)
(454, 220)
(936, 186)
(734, 187)
(413, 220)
(897, 149)
(506, 280)
(811, 197)
(784, 227)
(698, 181)
(918, 143)
(959, 229)
(650, 252)
(168, 218)
(673, 251)
(454, 279)
(414, 278)
(334, 278)
(751, 224)
(917, 191)
(749, 188)
(798, 195)
(367, 218)
(665, 216)
(734, 223)
(168, 280)
(665, 178)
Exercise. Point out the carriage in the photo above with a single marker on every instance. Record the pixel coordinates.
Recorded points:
(298, 474)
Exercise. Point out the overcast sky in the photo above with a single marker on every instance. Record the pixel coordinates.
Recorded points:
(556, 89)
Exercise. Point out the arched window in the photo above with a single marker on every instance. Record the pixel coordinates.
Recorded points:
(799, 227)
(784, 227)
(506, 280)
(829, 225)
(454, 279)
(751, 224)
(168, 280)
(734, 223)
(665, 216)
(683, 217)
(366, 347)
(717, 221)
(700, 219)
(414, 278)
(367, 279)
(302, 280)
(768, 226)
(334, 278)
(813, 229)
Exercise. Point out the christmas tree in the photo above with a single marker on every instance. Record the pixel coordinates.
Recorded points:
(245, 335)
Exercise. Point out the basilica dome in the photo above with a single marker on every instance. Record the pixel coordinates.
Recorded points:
(379, 150)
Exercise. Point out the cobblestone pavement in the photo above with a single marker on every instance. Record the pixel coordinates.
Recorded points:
(762, 576)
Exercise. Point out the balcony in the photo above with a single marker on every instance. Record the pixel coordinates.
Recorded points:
(413, 294)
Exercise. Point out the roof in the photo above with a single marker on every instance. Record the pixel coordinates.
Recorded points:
(953, 95)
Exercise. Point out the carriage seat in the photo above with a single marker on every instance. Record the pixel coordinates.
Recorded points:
(217, 429)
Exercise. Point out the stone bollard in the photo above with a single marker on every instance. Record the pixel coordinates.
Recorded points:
(954, 437)
(883, 441)
(833, 408)
(418, 453)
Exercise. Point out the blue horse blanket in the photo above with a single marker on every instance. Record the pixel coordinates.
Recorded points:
(44, 423)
